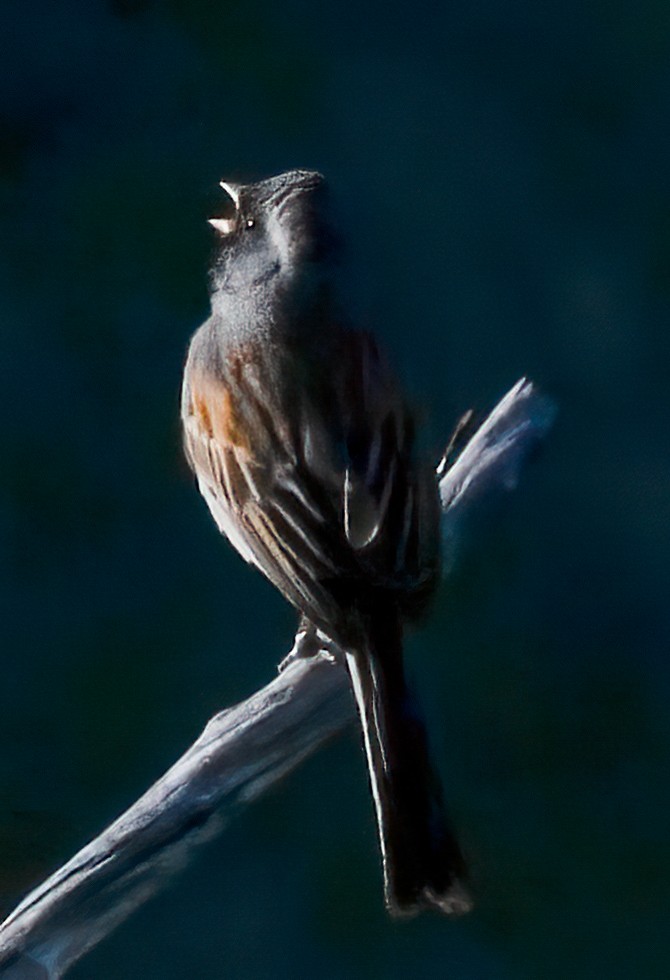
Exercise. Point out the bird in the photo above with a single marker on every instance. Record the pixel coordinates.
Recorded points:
(305, 450)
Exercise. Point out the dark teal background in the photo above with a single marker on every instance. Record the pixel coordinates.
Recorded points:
(505, 170)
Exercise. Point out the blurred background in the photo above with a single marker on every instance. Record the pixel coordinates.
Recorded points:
(504, 177)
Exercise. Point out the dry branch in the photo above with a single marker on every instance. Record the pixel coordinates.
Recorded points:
(242, 751)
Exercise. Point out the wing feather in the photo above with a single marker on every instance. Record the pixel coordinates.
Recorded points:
(324, 493)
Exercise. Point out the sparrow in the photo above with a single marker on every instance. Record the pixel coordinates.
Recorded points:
(304, 448)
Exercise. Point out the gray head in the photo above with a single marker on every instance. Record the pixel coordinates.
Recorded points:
(274, 241)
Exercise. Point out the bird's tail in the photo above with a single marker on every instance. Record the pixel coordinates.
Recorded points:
(423, 864)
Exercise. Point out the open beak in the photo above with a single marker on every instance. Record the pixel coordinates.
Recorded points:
(225, 226)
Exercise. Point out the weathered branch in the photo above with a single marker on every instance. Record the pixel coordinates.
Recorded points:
(242, 751)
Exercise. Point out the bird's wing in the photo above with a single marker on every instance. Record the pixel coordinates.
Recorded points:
(246, 465)
(317, 492)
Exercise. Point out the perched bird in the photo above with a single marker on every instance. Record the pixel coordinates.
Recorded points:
(304, 449)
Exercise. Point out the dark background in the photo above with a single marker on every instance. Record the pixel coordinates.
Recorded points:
(504, 168)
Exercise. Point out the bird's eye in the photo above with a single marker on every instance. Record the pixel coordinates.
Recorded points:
(250, 222)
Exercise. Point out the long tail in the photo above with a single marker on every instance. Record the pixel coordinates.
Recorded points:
(423, 864)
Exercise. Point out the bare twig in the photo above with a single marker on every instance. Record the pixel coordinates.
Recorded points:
(242, 751)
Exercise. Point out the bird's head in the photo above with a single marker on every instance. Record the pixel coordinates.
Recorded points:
(274, 236)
